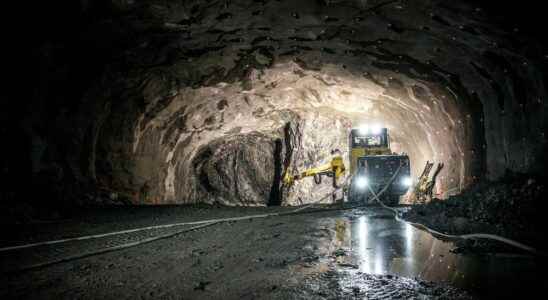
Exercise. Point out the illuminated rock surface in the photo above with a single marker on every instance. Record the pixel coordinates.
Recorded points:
(210, 101)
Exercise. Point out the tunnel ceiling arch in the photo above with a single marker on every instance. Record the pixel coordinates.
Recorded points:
(210, 101)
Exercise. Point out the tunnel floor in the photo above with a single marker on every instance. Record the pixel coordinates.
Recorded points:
(357, 254)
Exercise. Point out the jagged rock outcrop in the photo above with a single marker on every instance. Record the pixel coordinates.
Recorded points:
(238, 170)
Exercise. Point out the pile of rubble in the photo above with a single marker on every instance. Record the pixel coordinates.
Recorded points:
(511, 207)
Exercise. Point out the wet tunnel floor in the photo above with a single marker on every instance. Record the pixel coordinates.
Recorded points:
(358, 254)
(373, 242)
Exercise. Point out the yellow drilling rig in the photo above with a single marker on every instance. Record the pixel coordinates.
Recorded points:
(373, 164)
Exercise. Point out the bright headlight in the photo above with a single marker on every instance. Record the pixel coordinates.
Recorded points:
(376, 129)
(407, 181)
(362, 182)
(363, 129)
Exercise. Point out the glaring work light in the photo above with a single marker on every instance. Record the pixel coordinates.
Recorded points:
(407, 181)
(363, 129)
(376, 129)
(362, 182)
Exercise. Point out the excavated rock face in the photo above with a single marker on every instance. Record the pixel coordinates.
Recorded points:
(212, 101)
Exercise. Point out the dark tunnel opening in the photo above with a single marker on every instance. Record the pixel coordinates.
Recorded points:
(147, 112)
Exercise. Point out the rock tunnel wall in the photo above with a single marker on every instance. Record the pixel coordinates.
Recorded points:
(211, 101)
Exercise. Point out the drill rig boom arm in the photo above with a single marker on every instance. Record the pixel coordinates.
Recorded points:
(335, 168)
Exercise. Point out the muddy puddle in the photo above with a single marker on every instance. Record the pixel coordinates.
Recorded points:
(372, 242)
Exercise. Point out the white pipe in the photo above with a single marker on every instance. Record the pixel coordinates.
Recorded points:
(452, 236)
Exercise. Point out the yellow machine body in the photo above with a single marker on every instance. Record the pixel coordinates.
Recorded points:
(373, 164)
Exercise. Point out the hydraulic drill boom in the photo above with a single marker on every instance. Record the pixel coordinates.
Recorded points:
(335, 169)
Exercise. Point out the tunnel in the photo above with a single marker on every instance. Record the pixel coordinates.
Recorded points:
(180, 104)
(166, 123)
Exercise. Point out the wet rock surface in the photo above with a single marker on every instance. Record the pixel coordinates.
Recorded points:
(394, 287)
(290, 257)
(512, 207)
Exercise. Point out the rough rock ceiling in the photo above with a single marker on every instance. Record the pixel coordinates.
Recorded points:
(209, 101)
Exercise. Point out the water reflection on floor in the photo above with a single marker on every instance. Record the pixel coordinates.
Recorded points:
(377, 244)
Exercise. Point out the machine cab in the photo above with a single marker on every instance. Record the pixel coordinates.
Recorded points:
(373, 164)
(367, 141)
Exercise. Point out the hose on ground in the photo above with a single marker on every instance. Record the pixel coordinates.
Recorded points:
(101, 235)
(203, 224)
(449, 236)
(109, 249)
(164, 226)
(199, 224)
(210, 222)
